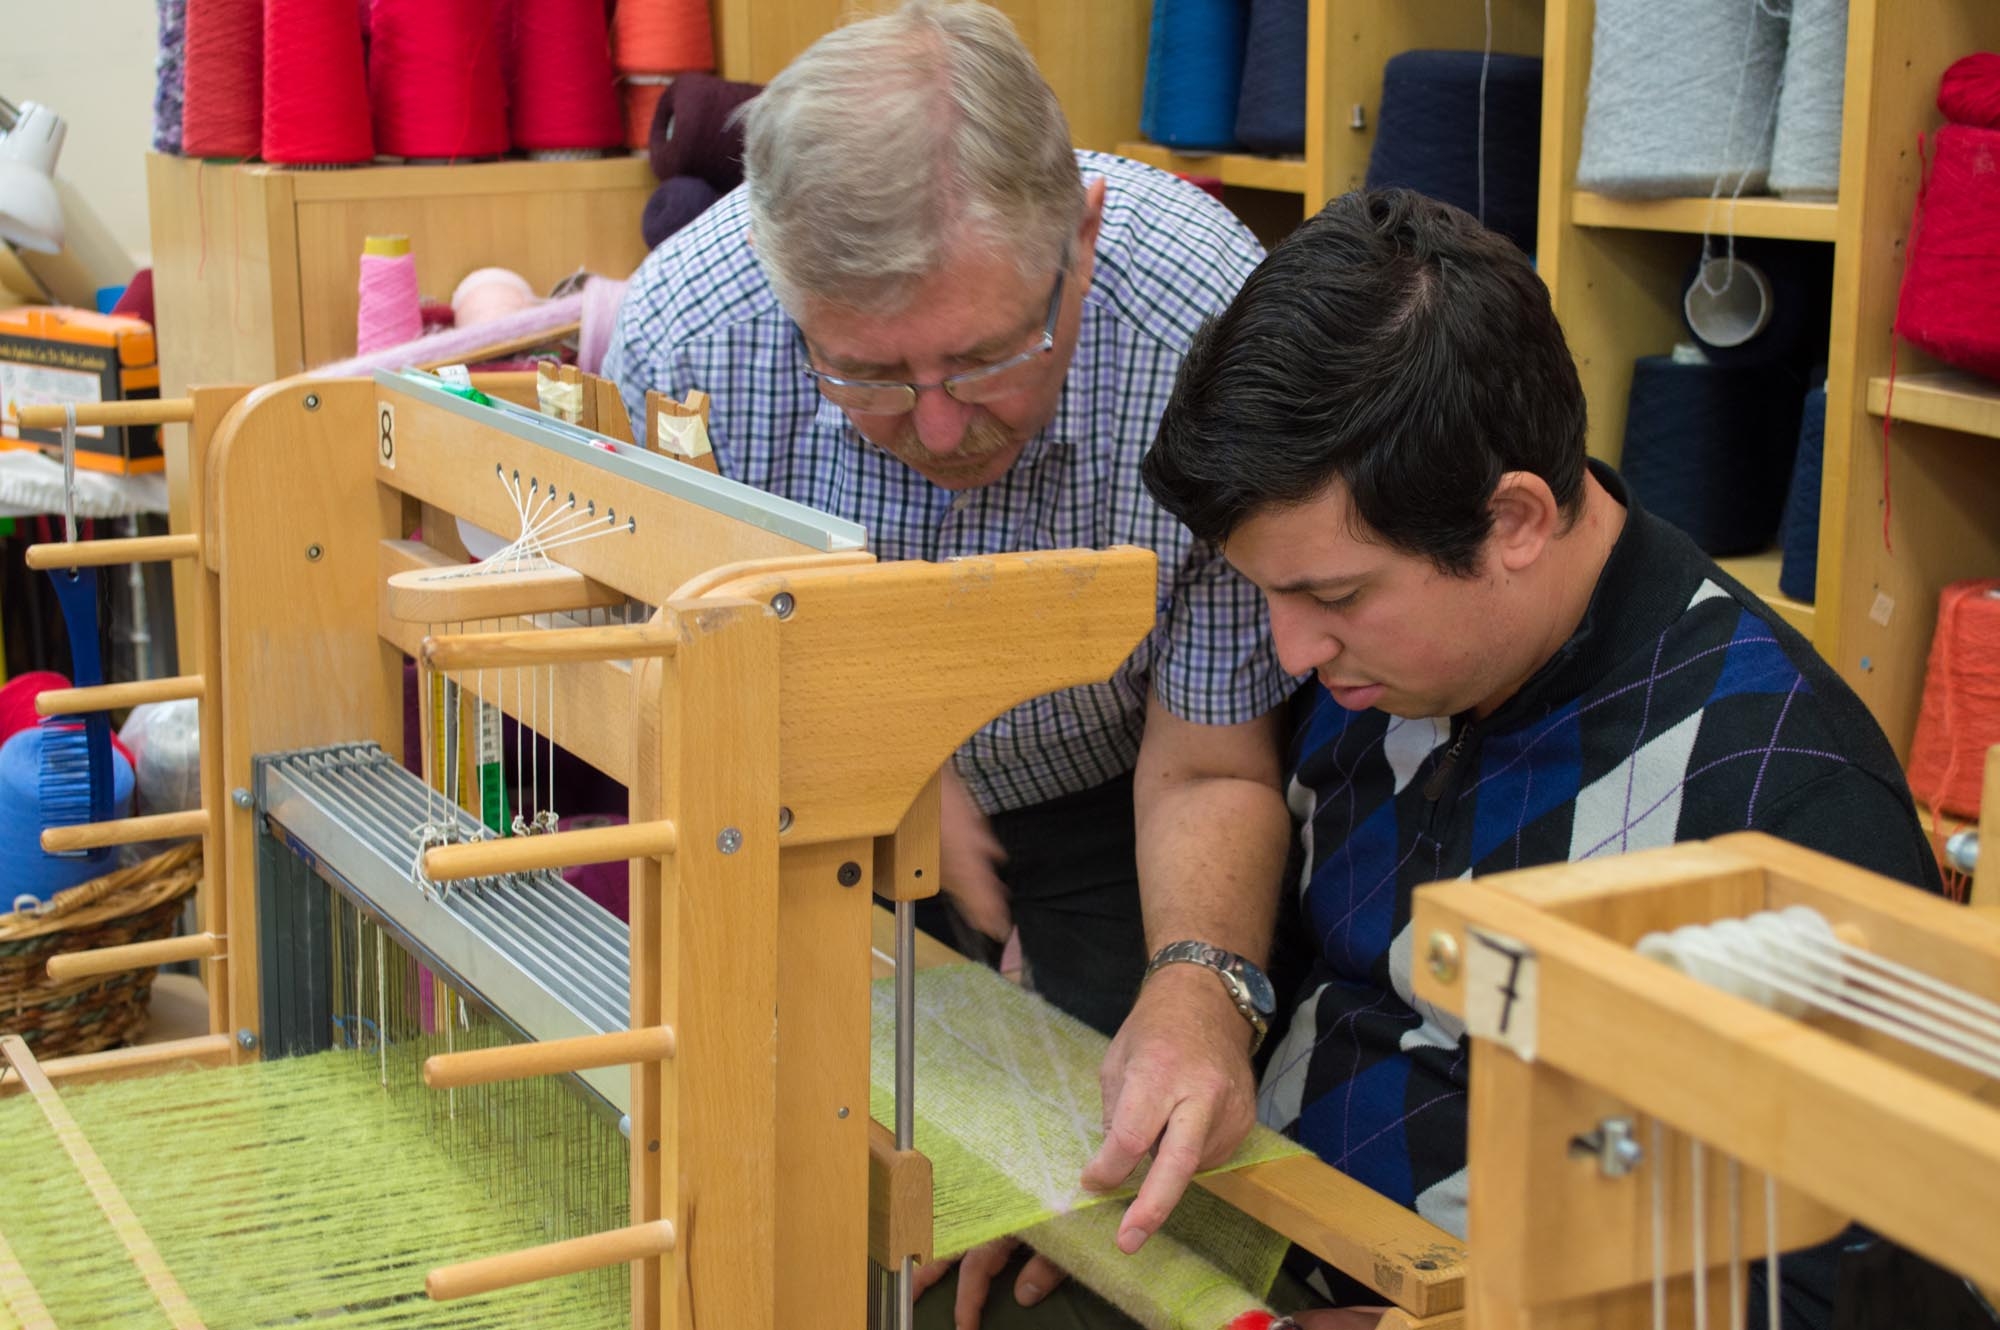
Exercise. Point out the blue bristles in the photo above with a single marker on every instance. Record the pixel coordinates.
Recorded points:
(76, 773)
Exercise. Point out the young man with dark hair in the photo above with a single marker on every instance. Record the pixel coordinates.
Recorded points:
(1516, 664)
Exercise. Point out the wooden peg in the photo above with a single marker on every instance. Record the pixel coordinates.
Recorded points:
(556, 849)
(134, 956)
(158, 411)
(548, 1057)
(100, 553)
(616, 1247)
(115, 696)
(125, 831)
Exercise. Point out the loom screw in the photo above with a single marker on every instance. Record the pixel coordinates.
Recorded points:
(849, 873)
(1443, 957)
(841, 1112)
(784, 820)
(313, 552)
(782, 604)
(312, 401)
(246, 1039)
(729, 840)
(1612, 1144)
(240, 797)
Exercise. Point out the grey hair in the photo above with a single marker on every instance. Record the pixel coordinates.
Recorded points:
(895, 139)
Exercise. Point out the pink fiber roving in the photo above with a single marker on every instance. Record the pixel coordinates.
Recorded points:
(391, 310)
(554, 317)
(602, 299)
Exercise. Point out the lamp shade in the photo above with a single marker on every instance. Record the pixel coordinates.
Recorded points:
(30, 215)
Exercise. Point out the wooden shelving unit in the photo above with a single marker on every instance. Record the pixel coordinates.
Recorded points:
(1241, 169)
(1770, 219)
(1948, 400)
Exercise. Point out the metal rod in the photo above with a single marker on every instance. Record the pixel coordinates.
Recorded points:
(906, 1080)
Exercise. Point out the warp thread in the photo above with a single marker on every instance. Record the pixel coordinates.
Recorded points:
(1960, 716)
(1798, 538)
(436, 78)
(1194, 74)
(1427, 135)
(563, 95)
(222, 112)
(1805, 148)
(1271, 108)
(1683, 97)
(673, 205)
(389, 312)
(170, 76)
(315, 85)
(662, 37)
(695, 130)
(1709, 448)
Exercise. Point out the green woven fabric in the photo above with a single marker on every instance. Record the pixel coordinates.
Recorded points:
(1009, 1112)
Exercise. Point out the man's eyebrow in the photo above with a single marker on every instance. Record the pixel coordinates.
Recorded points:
(1339, 582)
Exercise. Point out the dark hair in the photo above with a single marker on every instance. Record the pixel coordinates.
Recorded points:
(1390, 343)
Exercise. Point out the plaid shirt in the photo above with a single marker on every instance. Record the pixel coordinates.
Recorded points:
(699, 314)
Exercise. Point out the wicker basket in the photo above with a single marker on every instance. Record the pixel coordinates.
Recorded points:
(136, 904)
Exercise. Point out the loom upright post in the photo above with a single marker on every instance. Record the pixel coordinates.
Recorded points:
(906, 1080)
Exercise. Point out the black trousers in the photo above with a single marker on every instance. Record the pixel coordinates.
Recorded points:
(1073, 878)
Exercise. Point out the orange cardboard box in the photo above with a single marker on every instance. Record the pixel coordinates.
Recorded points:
(53, 355)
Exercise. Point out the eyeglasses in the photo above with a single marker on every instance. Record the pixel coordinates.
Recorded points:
(985, 384)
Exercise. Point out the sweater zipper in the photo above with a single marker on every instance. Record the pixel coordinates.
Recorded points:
(1440, 777)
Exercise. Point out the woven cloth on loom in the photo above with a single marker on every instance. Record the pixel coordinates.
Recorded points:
(278, 1193)
(1008, 1111)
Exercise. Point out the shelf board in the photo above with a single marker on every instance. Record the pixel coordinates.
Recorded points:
(1948, 400)
(1769, 219)
(1759, 573)
(1285, 174)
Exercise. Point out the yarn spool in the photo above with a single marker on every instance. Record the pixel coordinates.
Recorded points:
(695, 130)
(603, 297)
(164, 739)
(1271, 109)
(1951, 267)
(662, 37)
(436, 80)
(170, 76)
(1798, 536)
(389, 311)
(315, 85)
(1960, 717)
(1427, 135)
(1969, 91)
(673, 205)
(1709, 448)
(1194, 74)
(24, 869)
(641, 94)
(487, 294)
(563, 98)
(1805, 147)
(1682, 98)
(607, 884)
(222, 111)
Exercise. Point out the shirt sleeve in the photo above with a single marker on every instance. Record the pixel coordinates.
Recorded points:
(1854, 817)
(1216, 662)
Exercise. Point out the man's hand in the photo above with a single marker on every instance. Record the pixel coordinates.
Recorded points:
(1177, 1083)
(970, 857)
(977, 1270)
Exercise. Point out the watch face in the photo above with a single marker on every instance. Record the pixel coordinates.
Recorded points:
(1261, 996)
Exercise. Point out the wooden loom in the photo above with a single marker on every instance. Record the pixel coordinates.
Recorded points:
(1577, 1039)
(835, 686)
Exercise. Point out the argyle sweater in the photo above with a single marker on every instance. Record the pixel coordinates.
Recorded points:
(1681, 709)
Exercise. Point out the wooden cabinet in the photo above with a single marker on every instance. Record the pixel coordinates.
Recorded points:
(1615, 268)
(256, 268)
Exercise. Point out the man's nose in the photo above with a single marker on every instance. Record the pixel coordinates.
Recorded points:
(1302, 646)
(941, 421)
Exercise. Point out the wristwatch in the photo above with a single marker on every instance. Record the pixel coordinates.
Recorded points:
(1247, 985)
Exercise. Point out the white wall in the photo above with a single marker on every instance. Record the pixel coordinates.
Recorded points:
(90, 61)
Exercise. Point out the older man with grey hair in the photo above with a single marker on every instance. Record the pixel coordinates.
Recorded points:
(926, 312)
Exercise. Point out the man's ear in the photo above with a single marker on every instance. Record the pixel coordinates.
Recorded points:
(1093, 217)
(1526, 519)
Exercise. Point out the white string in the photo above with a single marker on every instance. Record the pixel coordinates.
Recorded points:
(1729, 152)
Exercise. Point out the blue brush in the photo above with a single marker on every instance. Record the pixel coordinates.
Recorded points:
(75, 783)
